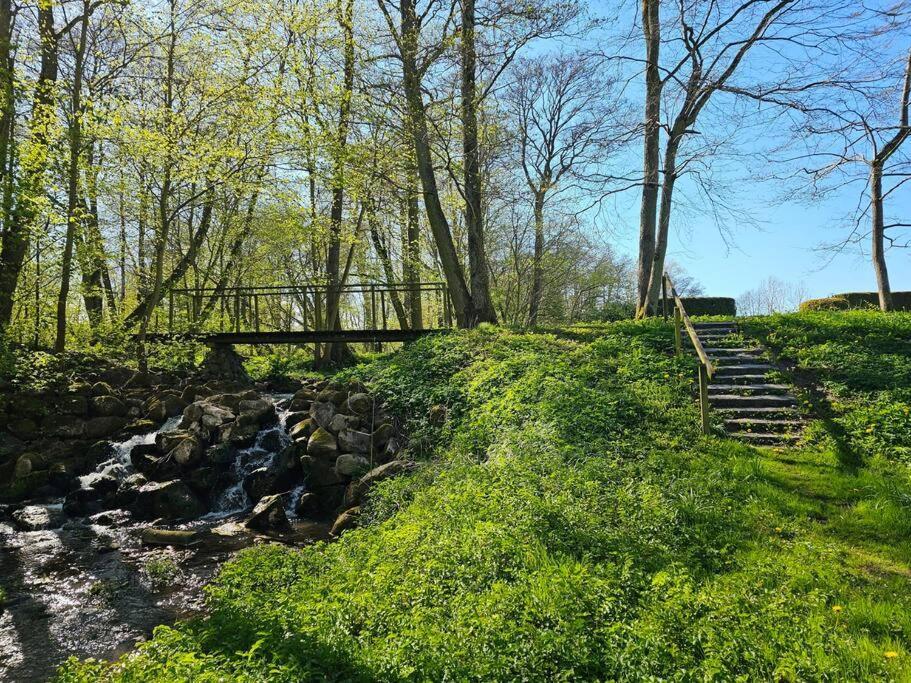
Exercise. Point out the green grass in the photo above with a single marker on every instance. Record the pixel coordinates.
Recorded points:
(570, 523)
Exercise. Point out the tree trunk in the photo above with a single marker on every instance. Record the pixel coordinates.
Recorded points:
(73, 220)
(664, 222)
(537, 278)
(16, 233)
(144, 309)
(7, 94)
(878, 235)
(379, 245)
(474, 217)
(439, 226)
(411, 254)
(652, 131)
(338, 352)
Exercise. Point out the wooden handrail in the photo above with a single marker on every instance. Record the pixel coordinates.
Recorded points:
(691, 329)
(706, 367)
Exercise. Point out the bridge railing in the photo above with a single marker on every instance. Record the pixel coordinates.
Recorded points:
(302, 308)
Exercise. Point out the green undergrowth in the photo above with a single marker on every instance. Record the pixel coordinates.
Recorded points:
(860, 364)
(567, 523)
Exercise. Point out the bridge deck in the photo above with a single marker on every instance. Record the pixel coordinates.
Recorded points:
(298, 337)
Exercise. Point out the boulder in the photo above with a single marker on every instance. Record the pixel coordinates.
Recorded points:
(167, 441)
(152, 536)
(139, 427)
(256, 412)
(116, 376)
(286, 467)
(237, 435)
(342, 421)
(106, 405)
(269, 515)
(173, 405)
(322, 444)
(260, 483)
(347, 520)
(169, 500)
(73, 404)
(360, 404)
(129, 489)
(351, 441)
(307, 505)
(202, 480)
(322, 413)
(221, 454)
(10, 446)
(357, 489)
(382, 434)
(272, 440)
(63, 426)
(187, 452)
(302, 430)
(101, 389)
(318, 474)
(350, 464)
(305, 394)
(101, 427)
(206, 414)
(23, 428)
(295, 417)
(36, 518)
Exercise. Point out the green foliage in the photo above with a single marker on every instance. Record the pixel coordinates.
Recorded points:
(160, 572)
(570, 524)
(279, 365)
(829, 303)
(862, 361)
(901, 301)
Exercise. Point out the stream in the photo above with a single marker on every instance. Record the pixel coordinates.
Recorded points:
(89, 587)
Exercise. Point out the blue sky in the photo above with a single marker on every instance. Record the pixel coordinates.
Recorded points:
(789, 230)
(785, 245)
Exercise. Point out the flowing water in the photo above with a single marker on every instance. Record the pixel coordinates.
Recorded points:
(85, 589)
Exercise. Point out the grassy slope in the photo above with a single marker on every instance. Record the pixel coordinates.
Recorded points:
(601, 538)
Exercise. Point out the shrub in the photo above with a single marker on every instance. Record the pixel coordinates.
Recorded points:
(705, 305)
(901, 301)
(830, 303)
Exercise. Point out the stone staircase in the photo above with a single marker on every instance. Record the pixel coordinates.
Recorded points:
(754, 408)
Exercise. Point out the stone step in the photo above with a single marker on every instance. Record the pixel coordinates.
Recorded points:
(761, 413)
(716, 334)
(752, 401)
(739, 359)
(732, 351)
(765, 438)
(742, 369)
(713, 325)
(761, 425)
(735, 380)
(743, 389)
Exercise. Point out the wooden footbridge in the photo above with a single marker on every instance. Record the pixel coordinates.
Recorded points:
(371, 313)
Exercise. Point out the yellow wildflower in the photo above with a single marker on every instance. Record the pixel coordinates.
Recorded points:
(890, 654)
(836, 608)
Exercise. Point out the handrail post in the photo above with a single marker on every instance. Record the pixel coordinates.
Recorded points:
(256, 311)
(678, 340)
(664, 296)
(704, 399)
(171, 312)
(237, 311)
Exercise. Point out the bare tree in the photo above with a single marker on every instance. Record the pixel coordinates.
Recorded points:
(772, 296)
(569, 120)
(709, 45)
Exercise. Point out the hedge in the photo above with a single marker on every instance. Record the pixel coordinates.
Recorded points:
(901, 301)
(707, 305)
